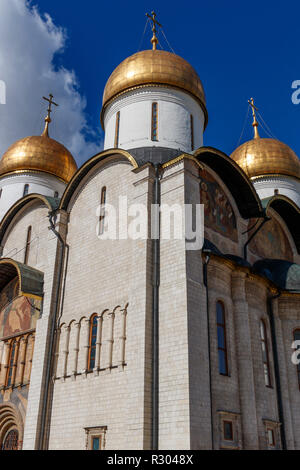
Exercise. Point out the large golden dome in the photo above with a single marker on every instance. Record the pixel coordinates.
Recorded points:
(154, 67)
(261, 156)
(39, 153)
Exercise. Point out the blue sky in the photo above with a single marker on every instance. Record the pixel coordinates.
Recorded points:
(239, 49)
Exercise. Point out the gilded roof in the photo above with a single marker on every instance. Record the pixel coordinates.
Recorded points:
(262, 156)
(39, 153)
(154, 67)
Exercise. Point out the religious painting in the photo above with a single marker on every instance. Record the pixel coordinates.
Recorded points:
(218, 212)
(271, 242)
(17, 313)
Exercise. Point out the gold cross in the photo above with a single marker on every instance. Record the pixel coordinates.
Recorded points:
(154, 40)
(49, 110)
(255, 123)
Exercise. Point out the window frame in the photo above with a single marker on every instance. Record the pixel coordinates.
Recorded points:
(225, 422)
(154, 122)
(266, 363)
(96, 433)
(92, 347)
(117, 129)
(273, 445)
(102, 210)
(220, 348)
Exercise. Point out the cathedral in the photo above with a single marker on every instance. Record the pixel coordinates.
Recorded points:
(140, 342)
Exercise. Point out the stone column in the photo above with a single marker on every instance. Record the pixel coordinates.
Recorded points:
(245, 365)
(5, 359)
(21, 362)
(66, 350)
(121, 361)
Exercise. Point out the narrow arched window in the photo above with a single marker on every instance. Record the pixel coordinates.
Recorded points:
(56, 194)
(222, 342)
(27, 247)
(117, 131)
(297, 338)
(154, 126)
(11, 363)
(265, 353)
(1, 192)
(26, 190)
(93, 341)
(192, 133)
(102, 211)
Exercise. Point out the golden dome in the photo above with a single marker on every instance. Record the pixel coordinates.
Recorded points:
(154, 67)
(260, 157)
(39, 153)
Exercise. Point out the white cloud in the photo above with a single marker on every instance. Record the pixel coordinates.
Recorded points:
(28, 43)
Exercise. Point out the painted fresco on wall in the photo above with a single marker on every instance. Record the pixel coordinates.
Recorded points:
(219, 215)
(17, 313)
(271, 242)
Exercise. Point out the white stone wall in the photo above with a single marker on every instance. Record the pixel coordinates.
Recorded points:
(174, 124)
(12, 187)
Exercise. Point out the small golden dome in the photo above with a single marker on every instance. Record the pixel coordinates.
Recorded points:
(260, 157)
(154, 67)
(39, 153)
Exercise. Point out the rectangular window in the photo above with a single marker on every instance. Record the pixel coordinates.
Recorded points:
(96, 438)
(117, 132)
(192, 133)
(271, 437)
(102, 212)
(222, 344)
(154, 130)
(265, 353)
(228, 430)
(26, 190)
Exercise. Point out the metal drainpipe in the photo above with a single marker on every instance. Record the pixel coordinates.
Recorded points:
(155, 313)
(276, 368)
(45, 398)
(266, 219)
(205, 279)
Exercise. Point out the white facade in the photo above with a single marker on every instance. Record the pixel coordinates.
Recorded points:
(175, 109)
(12, 187)
(286, 185)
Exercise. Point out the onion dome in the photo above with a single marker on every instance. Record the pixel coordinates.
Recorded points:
(154, 68)
(41, 154)
(262, 156)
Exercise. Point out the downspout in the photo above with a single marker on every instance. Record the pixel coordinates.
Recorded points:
(266, 219)
(155, 310)
(41, 441)
(205, 282)
(276, 368)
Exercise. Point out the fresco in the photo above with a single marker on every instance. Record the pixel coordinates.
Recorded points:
(219, 215)
(271, 242)
(17, 313)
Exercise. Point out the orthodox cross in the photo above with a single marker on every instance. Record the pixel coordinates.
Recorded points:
(152, 18)
(49, 110)
(255, 123)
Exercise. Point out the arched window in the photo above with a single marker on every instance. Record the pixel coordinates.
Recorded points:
(13, 351)
(222, 343)
(154, 126)
(27, 247)
(265, 353)
(93, 341)
(297, 338)
(26, 190)
(102, 211)
(11, 440)
(1, 192)
(192, 133)
(117, 131)
(56, 194)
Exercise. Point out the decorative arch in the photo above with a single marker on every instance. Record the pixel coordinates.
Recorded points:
(11, 420)
(49, 202)
(288, 211)
(234, 178)
(31, 281)
(88, 166)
